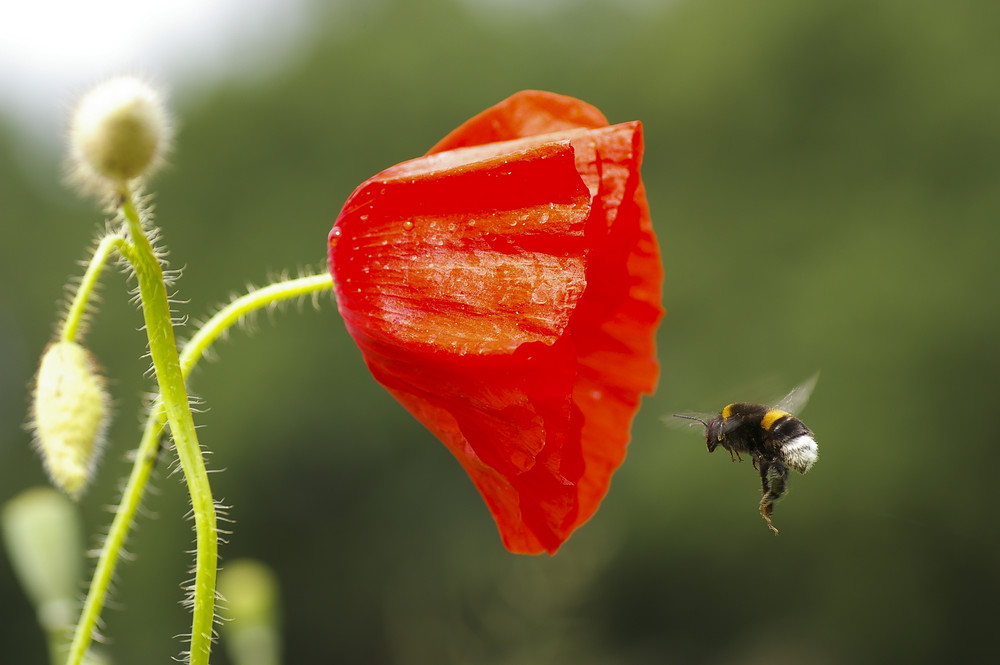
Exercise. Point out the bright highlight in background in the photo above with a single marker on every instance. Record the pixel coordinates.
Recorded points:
(52, 50)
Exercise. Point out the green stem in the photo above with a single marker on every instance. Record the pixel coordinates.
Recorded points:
(229, 315)
(77, 309)
(149, 445)
(174, 400)
(163, 351)
(118, 532)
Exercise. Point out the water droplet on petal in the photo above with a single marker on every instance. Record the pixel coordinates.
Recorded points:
(407, 225)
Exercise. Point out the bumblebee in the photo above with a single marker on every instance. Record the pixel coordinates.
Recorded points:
(774, 438)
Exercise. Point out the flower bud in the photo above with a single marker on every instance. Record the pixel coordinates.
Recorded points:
(120, 131)
(69, 415)
(41, 531)
(252, 632)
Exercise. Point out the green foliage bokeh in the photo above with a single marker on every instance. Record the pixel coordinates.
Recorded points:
(823, 178)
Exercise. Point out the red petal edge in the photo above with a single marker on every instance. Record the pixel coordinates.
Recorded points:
(527, 113)
(505, 289)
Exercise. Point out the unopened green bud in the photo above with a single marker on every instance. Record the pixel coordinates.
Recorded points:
(252, 633)
(120, 131)
(69, 414)
(42, 533)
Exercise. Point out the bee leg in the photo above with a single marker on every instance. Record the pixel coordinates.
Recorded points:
(736, 453)
(765, 512)
(774, 478)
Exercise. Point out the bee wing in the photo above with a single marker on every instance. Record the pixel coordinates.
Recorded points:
(727, 426)
(796, 400)
(688, 421)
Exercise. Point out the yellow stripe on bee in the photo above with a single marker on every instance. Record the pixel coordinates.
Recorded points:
(771, 416)
(727, 411)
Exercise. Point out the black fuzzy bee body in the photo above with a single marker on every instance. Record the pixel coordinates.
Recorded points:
(773, 437)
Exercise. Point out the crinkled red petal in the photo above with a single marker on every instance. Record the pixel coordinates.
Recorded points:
(526, 113)
(507, 294)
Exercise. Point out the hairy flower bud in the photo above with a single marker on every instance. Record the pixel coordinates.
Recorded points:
(120, 131)
(69, 414)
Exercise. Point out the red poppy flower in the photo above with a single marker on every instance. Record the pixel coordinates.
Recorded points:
(505, 288)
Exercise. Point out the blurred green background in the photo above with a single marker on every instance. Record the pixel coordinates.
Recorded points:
(825, 182)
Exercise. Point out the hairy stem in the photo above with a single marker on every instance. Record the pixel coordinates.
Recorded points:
(77, 309)
(266, 296)
(148, 450)
(174, 400)
(173, 393)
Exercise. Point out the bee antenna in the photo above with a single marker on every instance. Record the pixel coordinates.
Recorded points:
(681, 415)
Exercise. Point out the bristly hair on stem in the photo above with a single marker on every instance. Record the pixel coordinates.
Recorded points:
(156, 432)
(242, 310)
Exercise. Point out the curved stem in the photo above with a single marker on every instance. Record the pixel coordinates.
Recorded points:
(163, 351)
(265, 296)
(148, 450)
(114, 542)
(75, 314)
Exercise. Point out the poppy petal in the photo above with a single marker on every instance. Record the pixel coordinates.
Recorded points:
(526, 113)
(505, 289)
